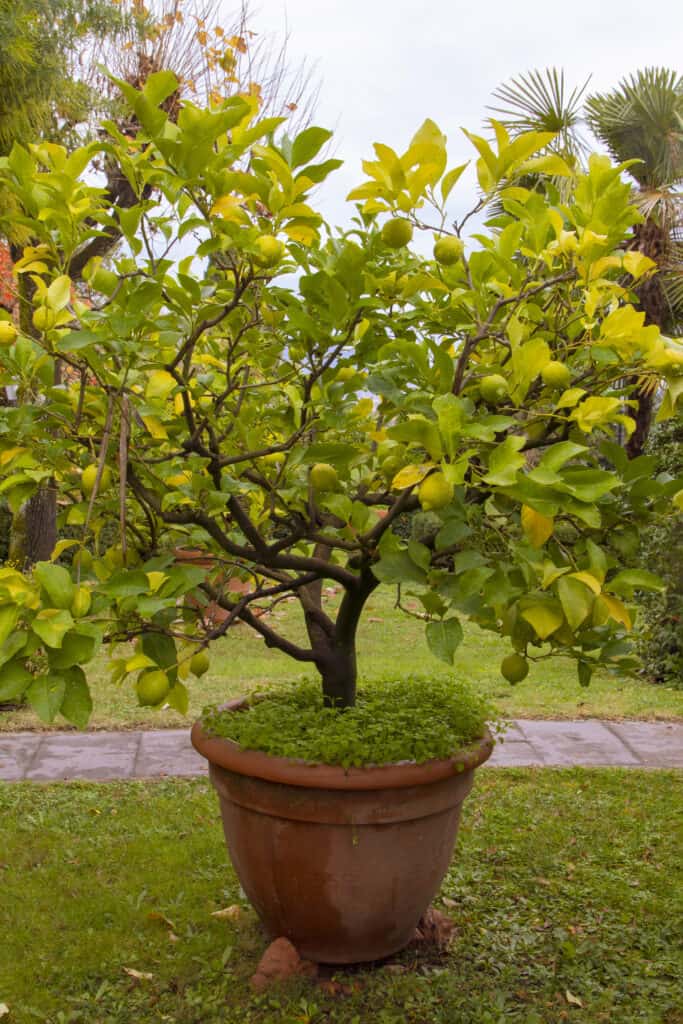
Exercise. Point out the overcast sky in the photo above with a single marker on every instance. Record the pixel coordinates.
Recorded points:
(385, 65)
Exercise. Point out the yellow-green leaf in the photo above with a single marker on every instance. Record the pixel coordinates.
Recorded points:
(159, 385)
(537, 528)
(410, 475)
(545, 618)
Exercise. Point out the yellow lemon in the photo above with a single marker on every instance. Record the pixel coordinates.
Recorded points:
(556, 375)
(435, 492)
(199, 663)
(324, 477)
(152, 687)
(448, 251)
(88, 477)
(8, 332)
(269, 251)
(397, 232)
(494, 389)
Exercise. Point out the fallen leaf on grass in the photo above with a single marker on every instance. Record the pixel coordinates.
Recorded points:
(156, 915)
(4, 1009)
(572, 999)
(233, 913)
(138, 975)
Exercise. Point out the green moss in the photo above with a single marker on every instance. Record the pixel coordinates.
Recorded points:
(416, 719)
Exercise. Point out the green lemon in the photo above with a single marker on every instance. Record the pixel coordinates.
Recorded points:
(390, 466)
(8, 332)
(494, 389)
(88, 477)
(199, 663)
(448, 251)
(556, 375)
(324, 477)
(152, 687)
(514, 668)
(269, 251)
(82, 600)
(397, 232)
(435, 492)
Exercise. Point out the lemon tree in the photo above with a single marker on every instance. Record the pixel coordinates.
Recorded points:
(257, 398)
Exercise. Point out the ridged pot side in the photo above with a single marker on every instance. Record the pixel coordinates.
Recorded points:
(342, 863)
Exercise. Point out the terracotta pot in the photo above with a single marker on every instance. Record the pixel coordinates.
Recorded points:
(341, 862)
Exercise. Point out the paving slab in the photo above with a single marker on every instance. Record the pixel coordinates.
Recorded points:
(655, 744)
(514, 753)
(17, 750)
(168, 753)
(97, 756)
(588, 742)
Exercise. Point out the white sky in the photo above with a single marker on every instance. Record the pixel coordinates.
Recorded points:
(385, 65)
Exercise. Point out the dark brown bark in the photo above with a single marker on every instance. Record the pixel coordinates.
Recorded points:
(41, 526)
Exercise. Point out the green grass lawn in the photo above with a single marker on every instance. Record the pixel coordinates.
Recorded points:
(390, 643)
(566, 889)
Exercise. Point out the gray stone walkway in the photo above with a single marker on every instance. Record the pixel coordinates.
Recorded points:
(54, 756)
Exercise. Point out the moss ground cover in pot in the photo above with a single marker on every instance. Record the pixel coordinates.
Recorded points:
(341, 824)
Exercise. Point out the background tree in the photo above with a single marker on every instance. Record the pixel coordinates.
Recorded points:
(640, 120)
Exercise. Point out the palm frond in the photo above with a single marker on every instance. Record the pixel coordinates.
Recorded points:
(541, 101)
(642, 119)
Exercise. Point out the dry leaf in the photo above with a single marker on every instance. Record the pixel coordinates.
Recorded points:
(4, 1009)
(138, 975)
(156, 915)
(232, 913)
(572, 999)
(172, 937)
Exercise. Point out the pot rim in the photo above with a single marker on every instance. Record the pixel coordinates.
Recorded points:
(225, 753)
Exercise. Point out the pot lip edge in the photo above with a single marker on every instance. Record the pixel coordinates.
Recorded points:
(225, 753)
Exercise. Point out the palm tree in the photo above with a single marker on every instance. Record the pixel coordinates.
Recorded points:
(642, 120)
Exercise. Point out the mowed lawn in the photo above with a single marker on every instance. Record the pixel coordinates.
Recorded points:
(390, 643)
(566, 890)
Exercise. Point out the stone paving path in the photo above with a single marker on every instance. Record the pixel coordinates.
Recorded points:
(55, 756)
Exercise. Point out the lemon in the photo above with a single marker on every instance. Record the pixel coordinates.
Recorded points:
(448, 251)
(556, 375)
(346, 373)
(8, 332)
(269, 251)
(494, 389)
(390, 466)
(199, 663)
(514, 668)
(88, 477)
(397, 232)
(104, 281)
(152, 687)
(80, 605)
(435, 492)
(324, 477)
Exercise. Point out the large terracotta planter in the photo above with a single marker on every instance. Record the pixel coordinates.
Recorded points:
(341, 862)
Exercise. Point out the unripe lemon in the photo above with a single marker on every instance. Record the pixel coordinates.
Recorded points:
(324, 477)
(8, 332)
(435, 492)
(556, 375)
(514, 668)
(44, 319)
(346, 373)
(80, 605)
(199, 663)
(152, 687)
(104, 281)
(448, 251)
(269, 251)
(397, 232)
(391, 465)
(89, 475)
(494, 389)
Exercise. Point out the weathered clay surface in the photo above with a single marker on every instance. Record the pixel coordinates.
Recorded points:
(279, 963)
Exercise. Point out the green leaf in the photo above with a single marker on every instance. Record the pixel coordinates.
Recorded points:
(545, 618)
(162, 650)
(59, 292)
(14, 679)
(398, 567)
(635, 579)
(505, 462)
(51, 625)
(450, 180)
(159, 86)
(585, 671)
(307, 144)
(178, 698)
(9, 614)
(76, 649)
(57, 583)
(77, 702)
(45, 695)
(576, 600)
(444, 638)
